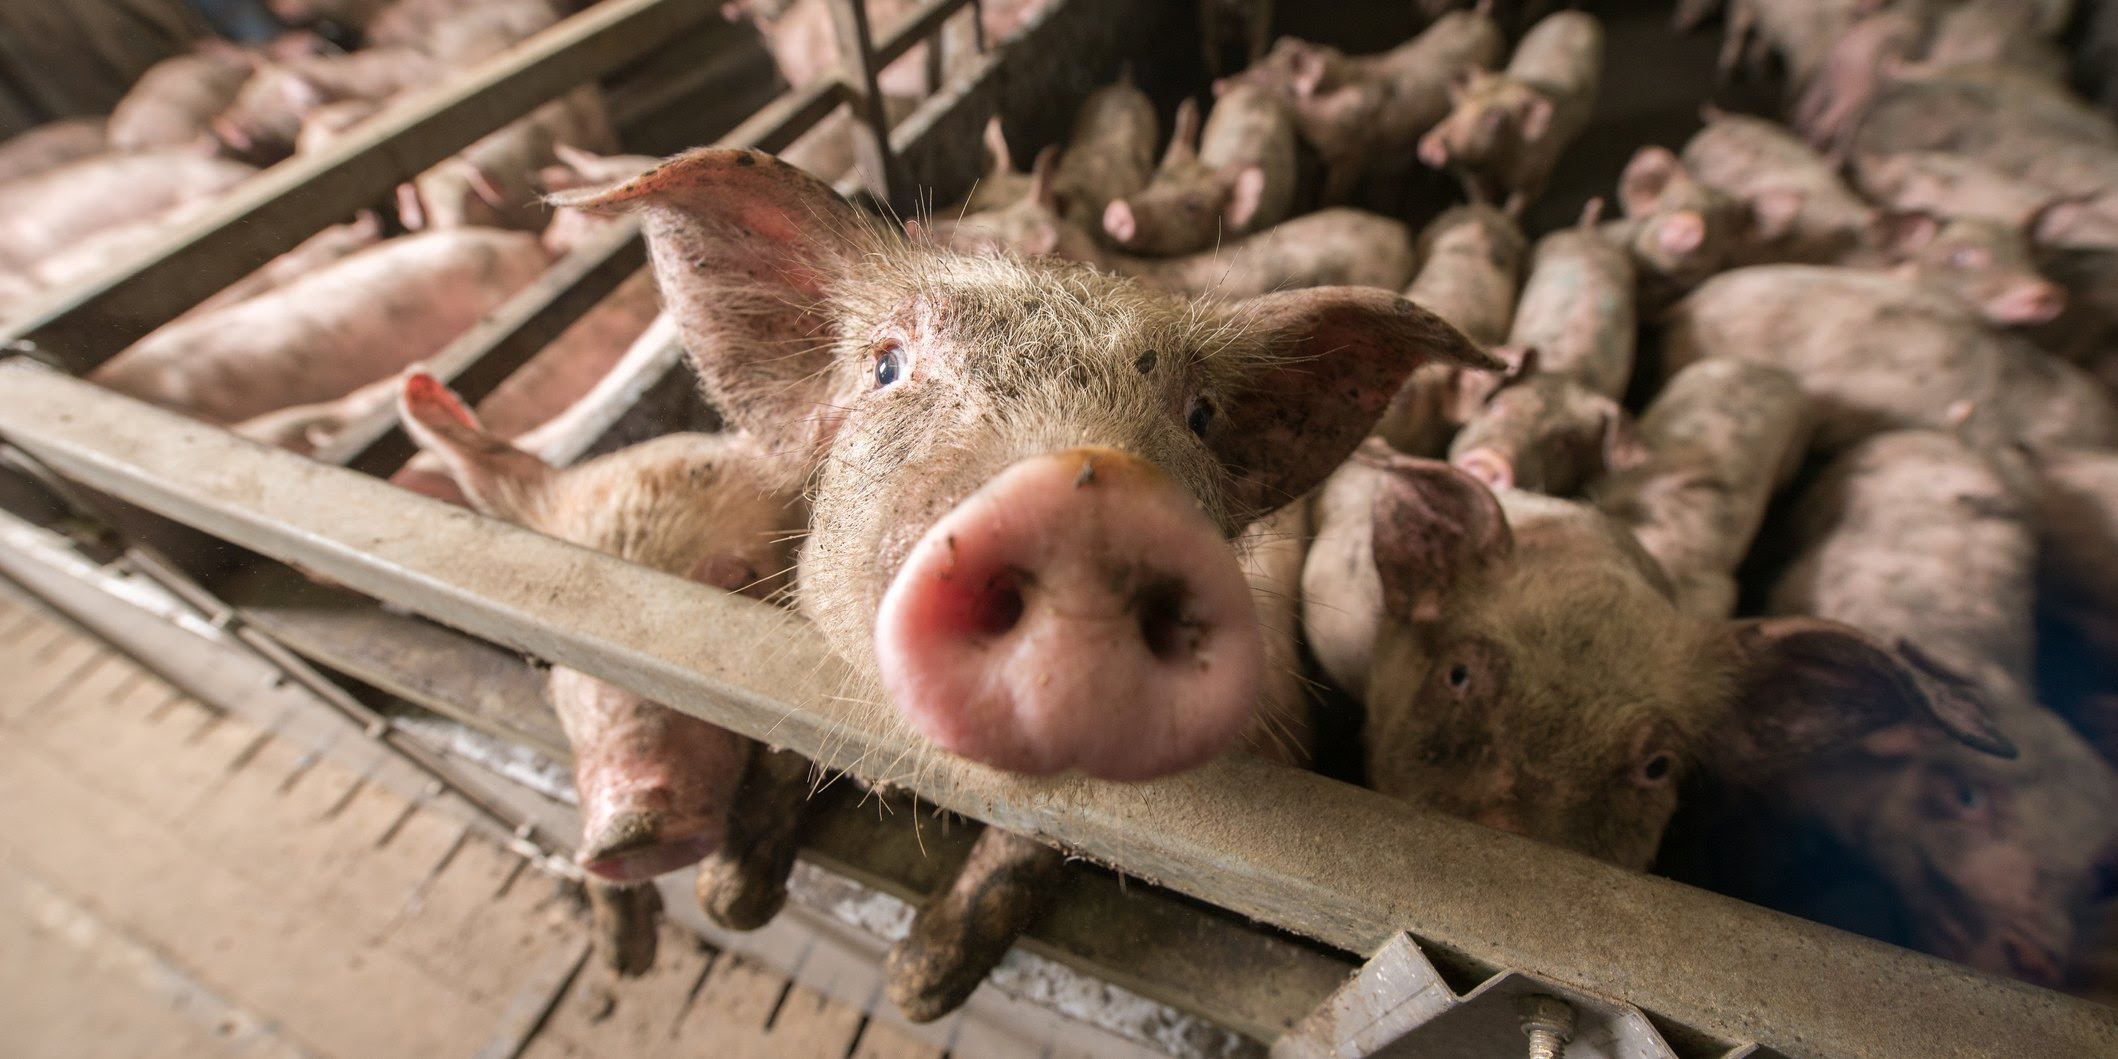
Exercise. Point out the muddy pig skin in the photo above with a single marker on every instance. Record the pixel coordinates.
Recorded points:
(1524, 666)
(1800, 211)
(51, 144)
(1021, 463)
(1110, 154)
(175, 101)
(43, 214)
(1505, 132)
(1877, 352)
(331, 331)
(656, 786)
(1913, 535)
(1239, 177)
(1546, 434)
(1577, 309)
(1360, 111)
(1721, 439)
(1470, 265)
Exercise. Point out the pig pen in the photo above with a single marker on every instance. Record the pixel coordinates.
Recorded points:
(1214, 915)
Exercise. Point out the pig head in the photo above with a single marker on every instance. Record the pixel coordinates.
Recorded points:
(1524, 666)
(1027, 471)
(656, 785)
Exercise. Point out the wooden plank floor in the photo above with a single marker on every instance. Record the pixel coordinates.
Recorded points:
(176, 881)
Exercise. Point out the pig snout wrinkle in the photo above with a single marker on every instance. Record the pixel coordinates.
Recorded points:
(1077, 612)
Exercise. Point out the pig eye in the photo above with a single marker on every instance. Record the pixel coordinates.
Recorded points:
(1459, 676)
(1968, 798)
(1200, 417)
(889, 365)
(1967, 257)
(1657, 768)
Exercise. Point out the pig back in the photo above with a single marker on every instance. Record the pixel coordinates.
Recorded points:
(1563, 55)
(1251, 126)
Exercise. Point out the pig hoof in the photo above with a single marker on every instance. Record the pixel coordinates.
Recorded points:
(934, 969)
(624, 924)
(736, 896)
(635, 847)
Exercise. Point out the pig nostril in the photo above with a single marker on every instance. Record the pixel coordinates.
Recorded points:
(1170, 636)
(998, 607)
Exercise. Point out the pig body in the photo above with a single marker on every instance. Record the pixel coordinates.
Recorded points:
(316, 252)
(1524, 666)
(1878, 352)
(1801, 211)
(49, 211)
(1506, 131)
(1961, 188)
(1988, 267)
(1111, 153)
(50, 145)
(1721, 439)
(331, 331)
(1240, 178)
(1577, 310)
(173, 104)
(1546, 434)
(330, 123)
(1358, 111)
(1913, 535)
(1679, 229)
(928, 424)
(1471, 262)
(656, 786)
(265, 120)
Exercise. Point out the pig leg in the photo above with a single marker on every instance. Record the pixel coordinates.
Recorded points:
(744, 883)
(955, 941)
(622, 924)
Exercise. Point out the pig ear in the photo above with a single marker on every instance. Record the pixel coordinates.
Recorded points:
(1041, 171)
(1536, 119)
(1773, 213)
(1471, 391)
(1806, 686)
(1245, 194)
(1623, 448)
(1434, 525)
(496, 477)
(2051, 222)
(1184, 135)
(996, 145)
(1339, 355)
(748, 251)
(1903, 232)
(1645, 178)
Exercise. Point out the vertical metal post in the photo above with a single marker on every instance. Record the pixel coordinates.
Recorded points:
(871, 130)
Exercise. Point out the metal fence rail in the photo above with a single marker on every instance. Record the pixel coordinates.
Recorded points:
(1329, 861)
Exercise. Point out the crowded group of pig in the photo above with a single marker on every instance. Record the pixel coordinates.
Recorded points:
(1759, 529)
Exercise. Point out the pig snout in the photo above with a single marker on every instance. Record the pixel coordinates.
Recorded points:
(655, 785)
(2027, 303)
(1077, 611)
(1119, 222)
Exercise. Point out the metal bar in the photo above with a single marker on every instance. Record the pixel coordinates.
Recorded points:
(1309, 854)
(871, 131)
(88, 323)
(920, 25)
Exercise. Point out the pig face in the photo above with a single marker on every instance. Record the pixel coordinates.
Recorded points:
(1495, 116)
(1988, 266)
(655, 785)
(1028, 470)
(1531, 672)
(1998, 860)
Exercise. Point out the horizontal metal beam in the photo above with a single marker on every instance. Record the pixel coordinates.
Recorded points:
(87, 324)
(1306, 853)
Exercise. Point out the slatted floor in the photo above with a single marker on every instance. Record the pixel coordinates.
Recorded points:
(176, 882)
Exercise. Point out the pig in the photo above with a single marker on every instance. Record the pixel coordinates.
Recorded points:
(1239, 177)
(265, 120)
(1914, 534)
(174, 102)
(1800, 210)
(50, 145)
(1505, 132)
(47, 212)
(1331, 246)
(1577, 309)
(1546, 434)
(1989, 267)
(349, 14)
(1110, 154)
(311, 254)
(1524, 666)
(1471, 262)
(473, 33)
(1720, 439)
(1358, 111)
(1148, 428)
(1800, 32)
(2075, 513)
(1679, 230)
(804, 42)
(1003, 185)
(1955, 187)
(578, 169)
(1876, 352)
(658, 789)
(492, 183)
(330, 331)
